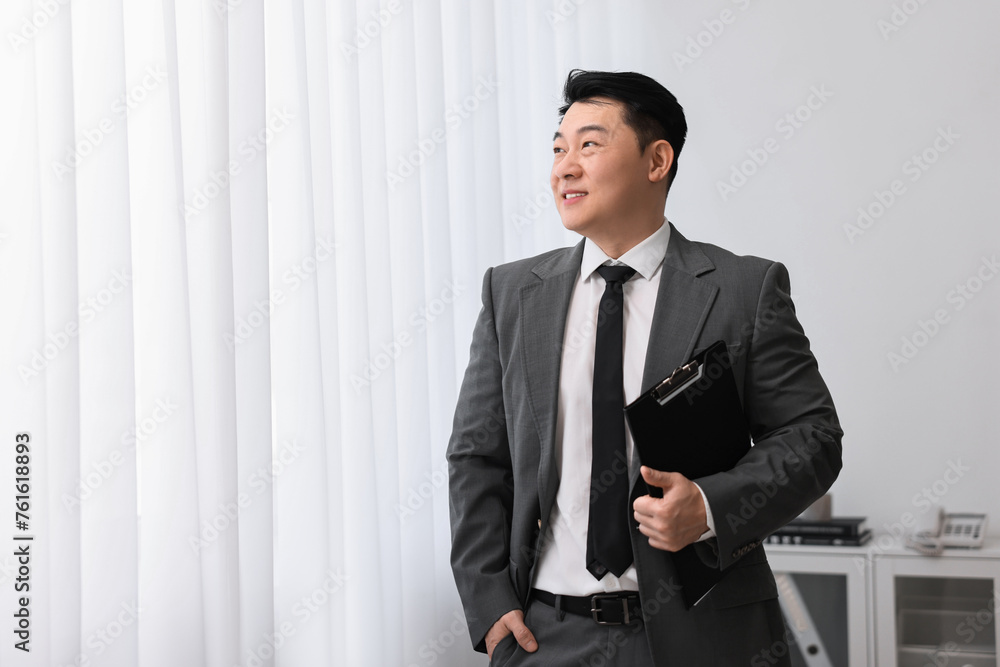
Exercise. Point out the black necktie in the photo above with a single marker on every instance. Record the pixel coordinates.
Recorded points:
(608, 544)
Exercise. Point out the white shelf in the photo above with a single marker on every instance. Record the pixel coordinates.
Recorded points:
(883, 574)
(886, 544)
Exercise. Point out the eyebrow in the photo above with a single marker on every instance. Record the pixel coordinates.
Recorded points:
(585, 128)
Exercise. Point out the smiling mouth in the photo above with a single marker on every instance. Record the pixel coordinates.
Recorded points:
(574, 195)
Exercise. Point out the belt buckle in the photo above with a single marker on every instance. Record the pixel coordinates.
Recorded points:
(595, 608)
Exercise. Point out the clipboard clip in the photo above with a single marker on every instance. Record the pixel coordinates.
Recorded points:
(680, 376)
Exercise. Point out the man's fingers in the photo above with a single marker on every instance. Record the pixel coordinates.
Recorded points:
(645, 506)
(500, 629)
(522, 634)
(657, 477)
(511, 623)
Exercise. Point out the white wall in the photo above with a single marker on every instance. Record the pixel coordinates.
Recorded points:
(890, 93)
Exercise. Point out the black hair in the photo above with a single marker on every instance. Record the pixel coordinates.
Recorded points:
(651, 110)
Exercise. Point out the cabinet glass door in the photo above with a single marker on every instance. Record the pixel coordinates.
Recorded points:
(815, 610)
(936, 611)
(945, 621)
(823, 596)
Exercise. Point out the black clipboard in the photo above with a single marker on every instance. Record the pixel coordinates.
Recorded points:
(692, 422)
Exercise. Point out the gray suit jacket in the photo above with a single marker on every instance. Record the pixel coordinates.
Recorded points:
(503, 479)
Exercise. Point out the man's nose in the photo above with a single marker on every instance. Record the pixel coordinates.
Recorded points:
(569, 166)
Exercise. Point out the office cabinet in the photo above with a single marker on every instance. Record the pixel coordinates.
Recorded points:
(937, 610)
(825, 595)
(888, 606)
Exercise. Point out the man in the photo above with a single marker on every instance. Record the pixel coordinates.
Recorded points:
(559, 555)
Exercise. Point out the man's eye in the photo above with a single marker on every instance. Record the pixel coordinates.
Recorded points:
(556, 149)
(589, 143)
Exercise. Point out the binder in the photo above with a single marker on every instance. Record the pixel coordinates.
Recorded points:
(799, 622)
(692, 422)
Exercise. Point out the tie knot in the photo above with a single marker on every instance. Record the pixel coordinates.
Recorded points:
(616, 274)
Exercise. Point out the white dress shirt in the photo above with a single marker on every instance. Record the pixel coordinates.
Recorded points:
(562, 565)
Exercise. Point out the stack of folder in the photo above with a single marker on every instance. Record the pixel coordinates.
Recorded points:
(837, 532)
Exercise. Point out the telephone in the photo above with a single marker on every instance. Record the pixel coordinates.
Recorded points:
(938, 531)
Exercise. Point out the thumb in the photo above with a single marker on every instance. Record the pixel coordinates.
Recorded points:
(657, 477)
(522, 634)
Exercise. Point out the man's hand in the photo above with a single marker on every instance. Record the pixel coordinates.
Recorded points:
(512, 622)
(675, 520)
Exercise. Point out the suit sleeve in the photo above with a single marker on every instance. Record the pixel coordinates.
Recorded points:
(481, 484)
(796, 455)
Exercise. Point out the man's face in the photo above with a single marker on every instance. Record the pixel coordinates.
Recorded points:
(600, 179)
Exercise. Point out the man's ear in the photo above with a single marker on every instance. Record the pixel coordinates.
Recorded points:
(661, 160)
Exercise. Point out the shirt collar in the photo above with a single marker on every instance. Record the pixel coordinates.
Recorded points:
(645, 257)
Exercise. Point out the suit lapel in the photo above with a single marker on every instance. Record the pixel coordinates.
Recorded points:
(544, 304)
(683, 301)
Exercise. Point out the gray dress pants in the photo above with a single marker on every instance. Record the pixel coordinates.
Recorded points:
(574, 641)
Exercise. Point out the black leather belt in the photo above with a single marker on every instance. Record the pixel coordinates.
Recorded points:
(604, 608)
